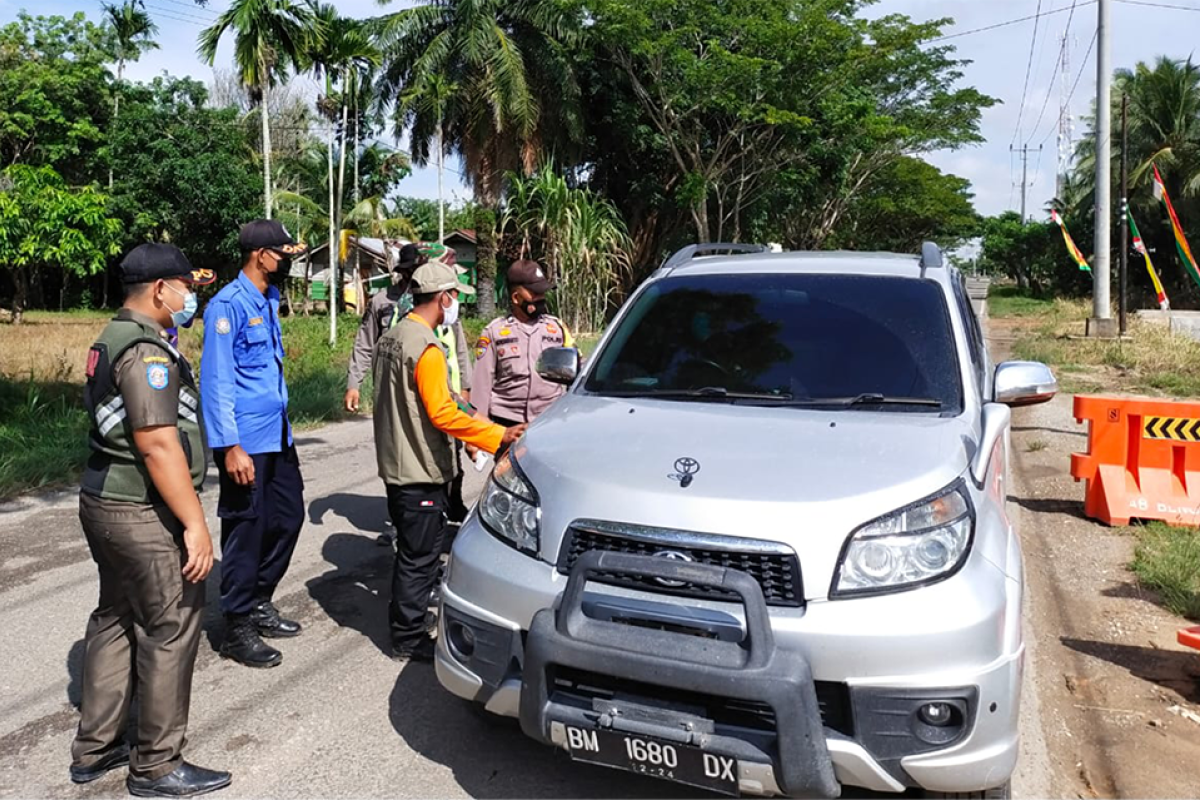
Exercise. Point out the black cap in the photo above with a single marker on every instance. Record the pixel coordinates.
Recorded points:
(411, 257)
(153, 261)
(530, 275)
(268, 234)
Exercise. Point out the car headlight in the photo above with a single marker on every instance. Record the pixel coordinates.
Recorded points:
(509, 508)
(915, 545)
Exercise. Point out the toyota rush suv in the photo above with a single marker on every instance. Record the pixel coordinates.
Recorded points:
(761, 544)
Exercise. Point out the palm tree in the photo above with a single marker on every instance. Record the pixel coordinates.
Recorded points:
(133, 34)
(342, 56)
(432, 98)
(270, 36)
(508, 60)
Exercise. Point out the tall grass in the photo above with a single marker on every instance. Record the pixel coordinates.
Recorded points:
(43, 434)
(1167, 560)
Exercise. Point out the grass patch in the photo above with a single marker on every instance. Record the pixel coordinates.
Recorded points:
(43, 435)
(1009, 301)
(1167, 560)
(1152, 361)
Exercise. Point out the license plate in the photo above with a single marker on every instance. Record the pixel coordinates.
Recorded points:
(654, 757)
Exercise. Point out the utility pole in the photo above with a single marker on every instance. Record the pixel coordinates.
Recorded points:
(1024, 151)
(1101, 322)
(1123, 306)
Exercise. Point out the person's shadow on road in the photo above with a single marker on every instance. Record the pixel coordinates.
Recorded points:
(355, 593)
(364, 512)
(491, 757)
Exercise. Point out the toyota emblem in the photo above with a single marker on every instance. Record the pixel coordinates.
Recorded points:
(685, 471)
(672, 555)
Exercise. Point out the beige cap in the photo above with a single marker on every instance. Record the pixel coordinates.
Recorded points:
(437, 276)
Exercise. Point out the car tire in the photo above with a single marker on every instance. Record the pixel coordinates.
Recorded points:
(1002, 792)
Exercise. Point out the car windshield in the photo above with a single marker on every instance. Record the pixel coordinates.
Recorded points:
(850, 341)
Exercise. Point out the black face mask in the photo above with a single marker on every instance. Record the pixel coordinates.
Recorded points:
(280, 275)
(536, 308)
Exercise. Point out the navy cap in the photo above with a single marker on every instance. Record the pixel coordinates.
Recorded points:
(530, 275)
(268, 234)
(154, 261)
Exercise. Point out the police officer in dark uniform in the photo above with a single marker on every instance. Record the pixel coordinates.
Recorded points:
(245, 401)
(147, 533)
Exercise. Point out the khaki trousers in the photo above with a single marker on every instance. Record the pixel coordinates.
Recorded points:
(141, 639)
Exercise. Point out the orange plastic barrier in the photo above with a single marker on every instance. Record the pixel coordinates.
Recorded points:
(1142, 462)
(1189, 637)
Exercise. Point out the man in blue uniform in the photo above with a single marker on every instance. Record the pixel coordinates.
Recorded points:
(244, 398)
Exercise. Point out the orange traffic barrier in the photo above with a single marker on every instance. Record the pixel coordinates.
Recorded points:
(1142, 462)
(1190, 637)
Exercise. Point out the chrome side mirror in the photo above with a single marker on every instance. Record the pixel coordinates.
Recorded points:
(1023, 383)
(559, 365)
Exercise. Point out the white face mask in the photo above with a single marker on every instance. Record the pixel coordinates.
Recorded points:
(451, 313)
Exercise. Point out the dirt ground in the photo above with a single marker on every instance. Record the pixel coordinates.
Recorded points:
(1120, 698)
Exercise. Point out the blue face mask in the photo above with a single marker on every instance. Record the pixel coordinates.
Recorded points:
(183, 316)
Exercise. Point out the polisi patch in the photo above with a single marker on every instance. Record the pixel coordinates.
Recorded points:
(157, 376)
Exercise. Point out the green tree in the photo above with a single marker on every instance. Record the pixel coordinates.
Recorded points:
(909, 202)
(270, 37)
(133, 34)
(54, 94)
(44, 224)
(185, 172)
(516, 93)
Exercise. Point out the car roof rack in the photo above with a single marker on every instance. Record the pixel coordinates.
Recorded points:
(931, 256)
(686, 254)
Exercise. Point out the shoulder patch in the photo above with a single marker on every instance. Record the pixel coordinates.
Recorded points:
(223, 326)
(92, 361)
(155, 360)
(157, 376)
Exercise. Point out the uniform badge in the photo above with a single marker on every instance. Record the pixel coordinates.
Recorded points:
(256, 321)
(551, 328)
(156, 360)
(223, 326)
(157, 376)
(93, 360)
(505, 332)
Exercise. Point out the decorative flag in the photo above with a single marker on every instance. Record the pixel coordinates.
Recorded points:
(1071, 248)
(1140, 247)
(1181, 243)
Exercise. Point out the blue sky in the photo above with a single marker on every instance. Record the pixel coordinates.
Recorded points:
(999, 56)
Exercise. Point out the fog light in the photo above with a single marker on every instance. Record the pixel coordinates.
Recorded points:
(462, 639)
(939, 715)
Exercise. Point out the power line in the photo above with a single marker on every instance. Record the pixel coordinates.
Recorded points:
(1007, 23)
(1159, 5)
(1028, 69)
(1082, 68)
(192, 7)
(179, 15)
(1057, 66)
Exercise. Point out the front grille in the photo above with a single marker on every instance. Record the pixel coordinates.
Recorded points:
(580, 688)
(777, 573)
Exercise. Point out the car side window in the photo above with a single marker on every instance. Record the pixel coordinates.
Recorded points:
(971, 325)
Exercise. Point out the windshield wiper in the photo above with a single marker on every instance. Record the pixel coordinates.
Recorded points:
(704, 393)
(870, 399)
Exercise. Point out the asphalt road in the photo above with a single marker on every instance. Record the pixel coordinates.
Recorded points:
(337, 718)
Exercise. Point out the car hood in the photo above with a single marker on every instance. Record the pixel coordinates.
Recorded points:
(805, 477)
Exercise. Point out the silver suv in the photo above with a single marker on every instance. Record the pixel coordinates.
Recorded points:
(761, 545)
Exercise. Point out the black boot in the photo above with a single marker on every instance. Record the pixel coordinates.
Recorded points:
(187, 780)
(243, 644)
(266, 619)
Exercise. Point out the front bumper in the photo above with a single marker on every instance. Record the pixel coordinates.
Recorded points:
(518, 644)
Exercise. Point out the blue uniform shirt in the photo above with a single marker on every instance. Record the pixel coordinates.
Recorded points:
(242, 390)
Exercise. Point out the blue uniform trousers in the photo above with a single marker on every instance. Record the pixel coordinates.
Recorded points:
(260, 525)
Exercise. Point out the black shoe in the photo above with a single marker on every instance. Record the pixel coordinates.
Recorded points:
(266, 619)
(243, 645)
(187, 780)
(422, 650)
(117, 757)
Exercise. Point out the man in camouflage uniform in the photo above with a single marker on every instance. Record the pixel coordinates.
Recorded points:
(147, 533)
